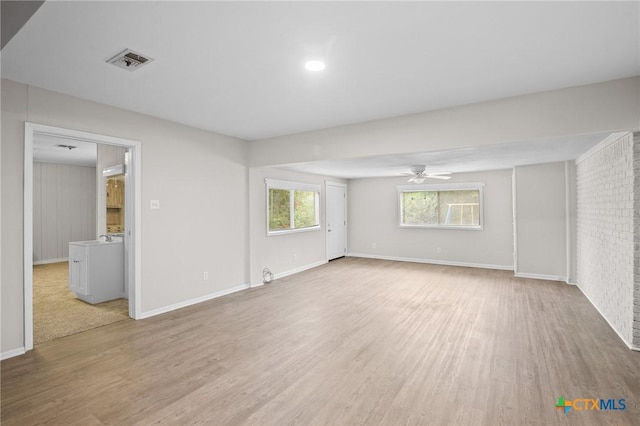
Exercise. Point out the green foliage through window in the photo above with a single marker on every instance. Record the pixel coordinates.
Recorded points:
(440, 208)
(304, 209)
(279, 209)
(292, 209)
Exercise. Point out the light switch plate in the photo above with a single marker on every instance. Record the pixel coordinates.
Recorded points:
(154, 204)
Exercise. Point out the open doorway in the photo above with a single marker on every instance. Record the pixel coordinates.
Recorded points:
(51, 260)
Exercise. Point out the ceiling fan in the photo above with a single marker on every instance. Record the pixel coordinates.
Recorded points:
(418, 174)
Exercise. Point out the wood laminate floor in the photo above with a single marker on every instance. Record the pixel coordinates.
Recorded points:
(352, 342)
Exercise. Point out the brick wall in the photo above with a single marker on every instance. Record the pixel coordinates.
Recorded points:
(608, 263)
(636, 240)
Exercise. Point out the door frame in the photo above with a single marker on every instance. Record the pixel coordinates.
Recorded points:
(132, 198)
(326, 213)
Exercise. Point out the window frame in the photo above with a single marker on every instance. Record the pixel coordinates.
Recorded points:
(292, 186)
(469, 186)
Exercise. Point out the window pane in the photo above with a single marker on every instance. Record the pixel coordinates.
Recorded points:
(459, 207)
(420, 208)
(279, 209)
(304, 208)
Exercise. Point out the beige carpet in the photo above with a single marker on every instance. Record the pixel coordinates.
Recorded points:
(58, 313)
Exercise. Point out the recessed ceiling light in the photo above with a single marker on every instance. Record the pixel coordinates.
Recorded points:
(314, 65)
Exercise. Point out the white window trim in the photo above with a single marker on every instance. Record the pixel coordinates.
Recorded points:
(444, 187)
(291, 186)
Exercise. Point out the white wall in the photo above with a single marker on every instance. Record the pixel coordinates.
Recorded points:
(283, 254)
(605, 230)
(64, 209)
(595, 108)
(541, 221)
(210, 201)
(14, 114)
(199, 177)
(373, 218)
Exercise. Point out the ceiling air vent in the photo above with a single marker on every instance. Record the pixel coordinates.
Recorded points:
(129, 60)
(69, 147)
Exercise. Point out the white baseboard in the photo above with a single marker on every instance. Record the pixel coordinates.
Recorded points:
(297, 270)
(433, 261)
(629, 344)
(540, 277)
(46, 262)
(12, 353)
(190, 302)
(241, 287)
(291, 272)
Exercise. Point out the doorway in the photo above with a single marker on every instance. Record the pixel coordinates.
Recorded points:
(336, 216)
(131, 234)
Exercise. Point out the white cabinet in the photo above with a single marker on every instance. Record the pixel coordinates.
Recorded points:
(96, 270)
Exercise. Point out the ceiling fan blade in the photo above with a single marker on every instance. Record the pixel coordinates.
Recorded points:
(438, 177)
(439, 173)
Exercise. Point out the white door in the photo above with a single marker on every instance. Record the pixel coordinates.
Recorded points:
(336, 220)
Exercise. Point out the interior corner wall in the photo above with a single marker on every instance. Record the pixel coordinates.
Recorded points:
(287, 253)
(64, 209)
(374, 229)
(636, 242)
(606, 230)
(570, 184)
(540, 195)
(199, 177)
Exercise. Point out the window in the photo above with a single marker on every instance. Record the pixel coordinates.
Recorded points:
(292, 207)
(456, 206)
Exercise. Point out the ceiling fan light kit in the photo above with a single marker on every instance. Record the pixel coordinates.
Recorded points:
(418, 174)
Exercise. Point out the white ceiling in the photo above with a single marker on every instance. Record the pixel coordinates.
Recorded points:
(46, 150)
(471, 159)
(237, 67)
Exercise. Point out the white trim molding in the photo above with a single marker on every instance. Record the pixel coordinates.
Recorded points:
(433, 261)
(460, 186)
(300, 269)
(291, 272)
(288, 184)
(541, 277)
(291, 186)
(13, 352)
(48, 261)
(193, 301)
(135, 235)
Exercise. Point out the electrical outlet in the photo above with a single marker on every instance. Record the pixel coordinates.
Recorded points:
(205, 276)
(154, 204)
(295, 257)
(439, 250)
(373, 245)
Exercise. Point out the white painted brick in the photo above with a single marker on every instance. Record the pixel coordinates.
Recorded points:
(608, 237)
